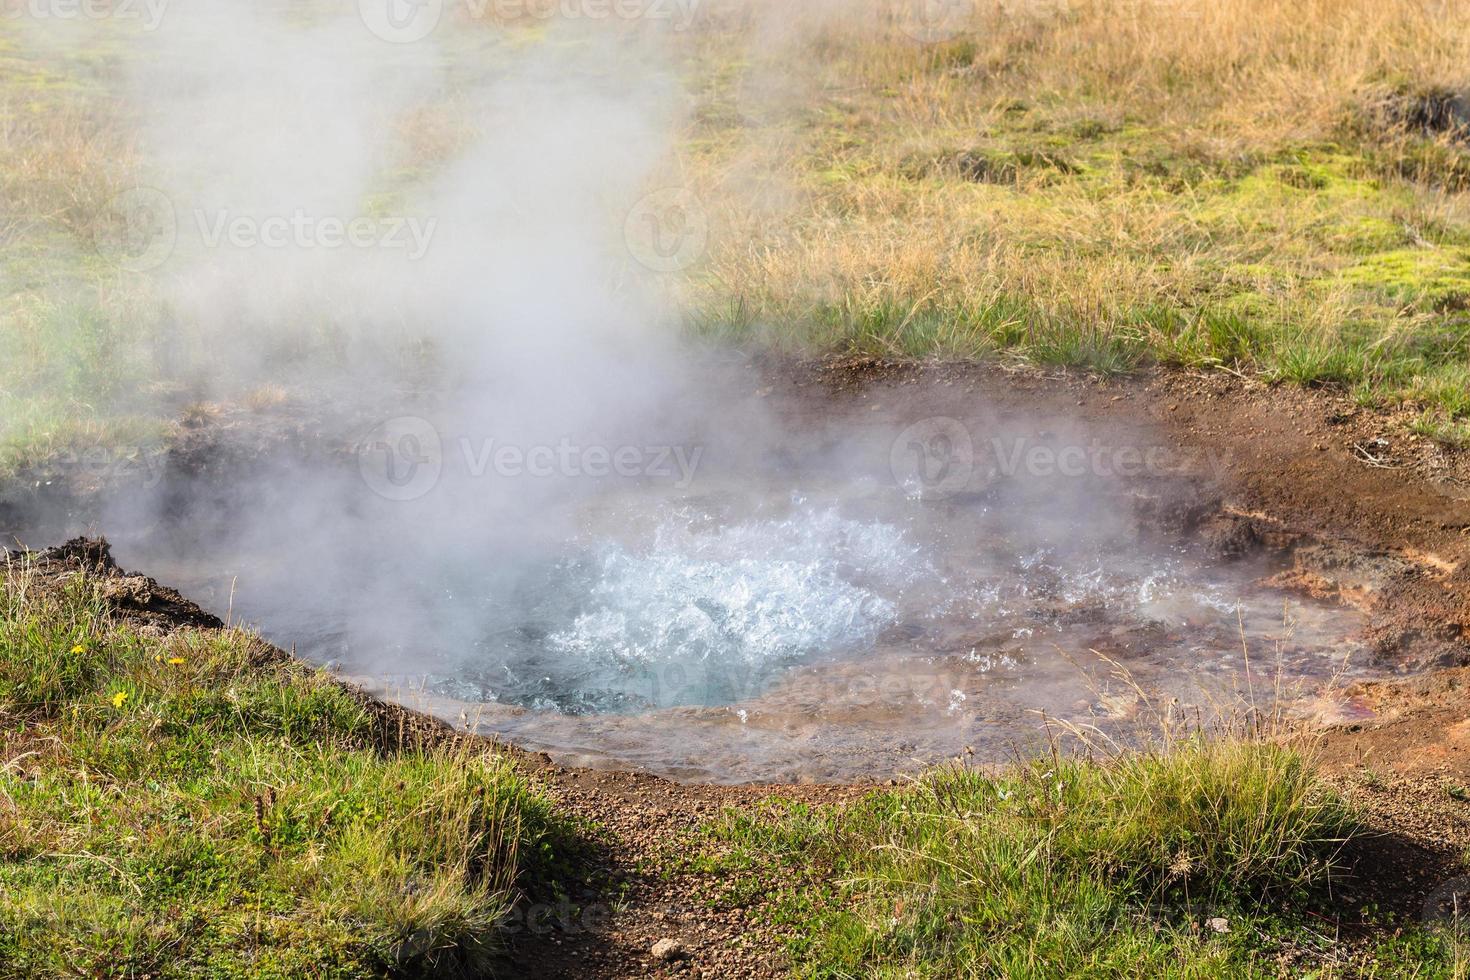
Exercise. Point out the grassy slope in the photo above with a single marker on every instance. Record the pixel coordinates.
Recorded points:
(1068, 868)
(73, 331)
(1105, 185)
(1229, 184)
(186, 807)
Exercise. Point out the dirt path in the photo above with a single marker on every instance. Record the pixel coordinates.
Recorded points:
(631, 893)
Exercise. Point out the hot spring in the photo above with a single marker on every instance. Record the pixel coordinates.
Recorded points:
(823, 610)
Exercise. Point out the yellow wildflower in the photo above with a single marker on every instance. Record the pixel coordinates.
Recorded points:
(78, 649)
(119, 698)
(176, 661)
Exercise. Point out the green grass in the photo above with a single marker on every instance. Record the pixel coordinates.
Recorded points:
(1067, 867)
(193, 806)
(1047, 192)
(1436, 427)
(1292, 267)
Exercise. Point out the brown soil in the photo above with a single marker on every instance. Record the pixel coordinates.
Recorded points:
(1374, 516)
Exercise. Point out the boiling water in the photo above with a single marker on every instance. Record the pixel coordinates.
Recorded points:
(842, 630)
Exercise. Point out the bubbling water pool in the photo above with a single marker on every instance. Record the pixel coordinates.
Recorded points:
(642, 625)
(842, 631)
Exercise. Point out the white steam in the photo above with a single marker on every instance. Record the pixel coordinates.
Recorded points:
(345, 198)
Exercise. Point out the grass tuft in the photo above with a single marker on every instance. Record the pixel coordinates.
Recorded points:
(207, 808)
(1062, 867)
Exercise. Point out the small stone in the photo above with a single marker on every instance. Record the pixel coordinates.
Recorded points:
(1219, 925)
(669, 950)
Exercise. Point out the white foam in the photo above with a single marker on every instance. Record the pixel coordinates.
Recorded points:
(757, 592)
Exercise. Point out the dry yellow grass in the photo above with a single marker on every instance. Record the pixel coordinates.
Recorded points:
(1095, 183)
(61, 160)
(1252, 69)
(1099, 183)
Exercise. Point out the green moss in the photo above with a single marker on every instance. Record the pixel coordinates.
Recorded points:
(1428, 278)
(1366, 234)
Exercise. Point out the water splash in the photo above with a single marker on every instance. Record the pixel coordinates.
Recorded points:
(760, 593)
